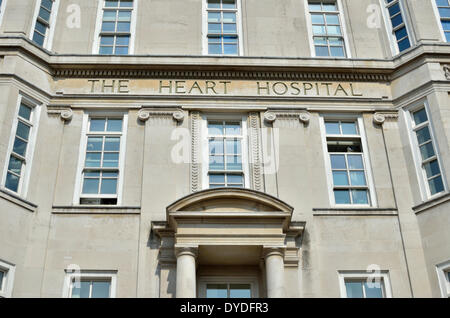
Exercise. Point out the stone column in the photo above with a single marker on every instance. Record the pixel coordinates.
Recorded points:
(274, 259)
(186, 272)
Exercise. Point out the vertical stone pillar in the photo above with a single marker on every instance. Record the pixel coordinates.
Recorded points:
(274, 259)
(186, 272)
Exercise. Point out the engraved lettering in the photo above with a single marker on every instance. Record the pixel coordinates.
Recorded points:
(328, 87)
(180, 87)
(353, 92)
(284, 88)
(225, 83)
(340, 89)
(296, 89)
(195, 86)
(111, 86)
(307, 87)
(123, 86)
(266, 88)
(210, 85)
(161, 87)
(93, 85)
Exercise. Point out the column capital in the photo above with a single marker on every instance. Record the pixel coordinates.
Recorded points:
(186, 250)
(273, 251)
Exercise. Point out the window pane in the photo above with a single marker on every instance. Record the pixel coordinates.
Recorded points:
(240, 291)
(25, 112)
(349, 129)
(123, 27)
(423, 135)
(15, 165)
(124, 16)
(123, 40)
(373, 290)
(108, 26)
(355, 162)
(214, 49)
(338, 162)
(12, 182)
(360, 197)
(97, 125)
(358, 178)
(106, 50)
(126, 3)
(216, 147)
(111, 160)
(213, 4)
(38, 38)
(216, 291)
(230, 49)
(23, 130)
(332, 128)
(107, 40)
(432, 168)
(329, 7)
(90, 186)
(317, 19)
(420, 116)
(234, 163)
(20, 147)
(216, 163)
(319, 29)
(44, 14)
(214, 28)
(427, 151)
(94, 144)
(404, 44)
(229, 17)
(109, 186)
(340, 178)
(217, 178)
(229, 28)
(2, 274)
(215, 128)
(342, 196)
(337, 51)
(233, 147)
(121, 50)
(354, 289)
(436, 185)
(235, 179)
(109, 15)
(233, 129)
(100, 289)
(228, 4)
(112, 144)
(93, 159)
(333, 30)
(332, 19)
(81, 290)
(114, 125)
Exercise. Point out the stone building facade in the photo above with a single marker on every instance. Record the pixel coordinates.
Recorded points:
(224, 148)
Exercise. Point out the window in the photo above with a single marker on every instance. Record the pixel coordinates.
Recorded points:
(326, 28)
(443, 7)
(21, 147)
(95, 284)
(103, 162)
(228, 287)
(223, 29)
(349, 177)
(43, 22)
(226, 155)
(6, 279)
(2, 9)
(443, 272)
(116, 27)
(228, 291)
(398, 27)
(364, 285)
(425, 151)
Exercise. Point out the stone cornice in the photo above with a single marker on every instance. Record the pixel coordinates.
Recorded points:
(146, 112)
(240, 75)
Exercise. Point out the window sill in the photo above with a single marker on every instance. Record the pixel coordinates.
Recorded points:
(357, 211)
(97, 209)
(431, 203)
(5, 194)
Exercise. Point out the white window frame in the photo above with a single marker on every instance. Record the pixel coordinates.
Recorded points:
(26, 169)
(390, 31)
(420, 171)
(443, 271)
(251, 280)
(205, 146)
(89, 275)
(365, 150)
(48, 42)
(363, 275)
(2, 10)
(438, 17)
(8, 279)
(98, 28)
(82, 154)
(342, 20)
(205, 29)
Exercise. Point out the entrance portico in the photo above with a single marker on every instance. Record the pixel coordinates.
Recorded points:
(225, 230)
